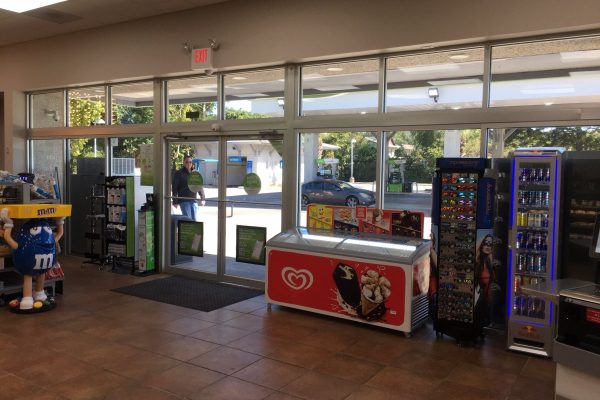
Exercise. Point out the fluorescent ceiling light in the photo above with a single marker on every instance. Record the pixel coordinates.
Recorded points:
(459, 56)
(335, 69)
(456, 108)
(362, 113)
(571, 56)
(548, 104)
(20, 6)
(239, 78)
(429, 68)
(465, 81)
(562, 90)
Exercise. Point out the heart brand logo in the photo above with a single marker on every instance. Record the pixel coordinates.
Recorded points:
(297, 279)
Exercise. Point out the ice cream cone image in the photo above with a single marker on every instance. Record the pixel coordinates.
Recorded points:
(367, 305)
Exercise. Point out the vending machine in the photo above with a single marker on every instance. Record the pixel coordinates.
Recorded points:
(533, 246)
(462, 268)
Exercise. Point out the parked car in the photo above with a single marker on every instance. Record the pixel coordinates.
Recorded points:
(335, 192)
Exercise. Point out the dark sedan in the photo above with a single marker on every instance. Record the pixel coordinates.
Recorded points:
(335, 192)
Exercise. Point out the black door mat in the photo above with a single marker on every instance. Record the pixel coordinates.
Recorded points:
(191, 293)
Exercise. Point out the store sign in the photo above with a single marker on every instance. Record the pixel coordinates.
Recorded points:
(195, 181)
(191, 238)
(252, 183)
(147, 164)
(250, 244)
(202, 59)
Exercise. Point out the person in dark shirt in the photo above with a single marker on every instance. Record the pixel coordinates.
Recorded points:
(180, 188)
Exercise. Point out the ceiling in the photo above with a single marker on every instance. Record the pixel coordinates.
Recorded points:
(77, 15)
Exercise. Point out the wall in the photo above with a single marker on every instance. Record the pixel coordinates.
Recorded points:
(266, 32)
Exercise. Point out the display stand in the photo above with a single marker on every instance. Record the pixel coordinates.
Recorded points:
(120, 223)
(95, 232)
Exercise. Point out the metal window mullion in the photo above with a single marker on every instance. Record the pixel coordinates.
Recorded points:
(485, 101)
(380, 159)
(382, 85)
(222, 208)
(221, 97)
(108, 104)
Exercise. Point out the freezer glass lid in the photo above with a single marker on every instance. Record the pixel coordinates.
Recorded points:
(313, 237)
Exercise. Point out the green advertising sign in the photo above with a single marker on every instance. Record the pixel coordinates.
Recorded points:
(191, 238)
(195, 181)
(252, 183)
(250, 244)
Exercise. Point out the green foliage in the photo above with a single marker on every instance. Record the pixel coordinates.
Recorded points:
(130, 147)
(207, 112)
(84, 112)
(419, 149)
(469, 142)
(132, 115)
(573, 138)
(85, 148)
(365, 154)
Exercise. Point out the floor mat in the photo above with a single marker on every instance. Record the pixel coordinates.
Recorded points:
(191, 293)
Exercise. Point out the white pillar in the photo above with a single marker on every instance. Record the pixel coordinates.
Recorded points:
(452, 143)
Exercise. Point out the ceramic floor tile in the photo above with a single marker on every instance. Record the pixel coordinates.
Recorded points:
(184, 380)
(314, 385)
(270, 373)
(412, 384)
(225, 360)
(185, 325)
(220, 334)
(349, 368)
(231, 388)
(112, 346)
(185, 348)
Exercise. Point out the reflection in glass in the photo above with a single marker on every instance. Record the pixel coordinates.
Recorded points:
(87, 106)
(434, 81)
(254, 94)
(192, 99)
(341, 88)
(546, 73)
(133, 103)
(47, 110)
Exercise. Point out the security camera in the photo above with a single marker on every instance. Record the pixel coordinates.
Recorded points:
(215, 127)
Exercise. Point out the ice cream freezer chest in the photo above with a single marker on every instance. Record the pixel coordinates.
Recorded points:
(365, 279)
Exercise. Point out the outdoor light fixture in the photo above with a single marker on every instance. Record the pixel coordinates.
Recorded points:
(52, 114)
(20, 6)
(280, 102)
(434, 93)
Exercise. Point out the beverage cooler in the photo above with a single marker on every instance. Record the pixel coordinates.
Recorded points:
(463, 275)
(533, 246)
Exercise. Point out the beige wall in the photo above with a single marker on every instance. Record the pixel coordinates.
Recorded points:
(266, 32)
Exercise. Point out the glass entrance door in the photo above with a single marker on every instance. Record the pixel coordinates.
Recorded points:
(194, 223)
(241, 178)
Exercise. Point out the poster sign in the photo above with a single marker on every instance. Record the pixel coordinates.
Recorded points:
(363, 290)
(195, 181)
(369, 220)
(147, 165)
(250, 244)
(252, 183)
(191, 238)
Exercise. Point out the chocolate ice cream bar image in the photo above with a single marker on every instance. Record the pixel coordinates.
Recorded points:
(346, 280)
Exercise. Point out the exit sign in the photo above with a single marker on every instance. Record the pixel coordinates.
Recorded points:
(202, 59)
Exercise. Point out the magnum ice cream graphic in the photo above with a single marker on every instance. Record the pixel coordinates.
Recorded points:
(363, 297)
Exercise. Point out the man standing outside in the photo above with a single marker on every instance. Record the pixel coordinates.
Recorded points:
(189, 206)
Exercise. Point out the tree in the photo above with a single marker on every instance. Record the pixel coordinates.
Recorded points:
(573, 138)
(419, 149)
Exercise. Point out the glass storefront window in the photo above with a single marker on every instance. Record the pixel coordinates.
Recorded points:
(47, 110)
(254, 94)
(87, 106)
(546, 73)
(192, 99)
(132, 103)
(341, 88)
(502, 141)
(126, 155)
(434, 81)
(410, 164)
(335, 167)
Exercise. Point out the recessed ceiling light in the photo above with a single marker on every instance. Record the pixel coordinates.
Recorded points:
(456, 108)
(239, 78)
(459, 56)
(335, 69)
(363, 112)
(20, 6)
(548, 104)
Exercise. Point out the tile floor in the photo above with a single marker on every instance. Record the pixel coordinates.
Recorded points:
(98, 344)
